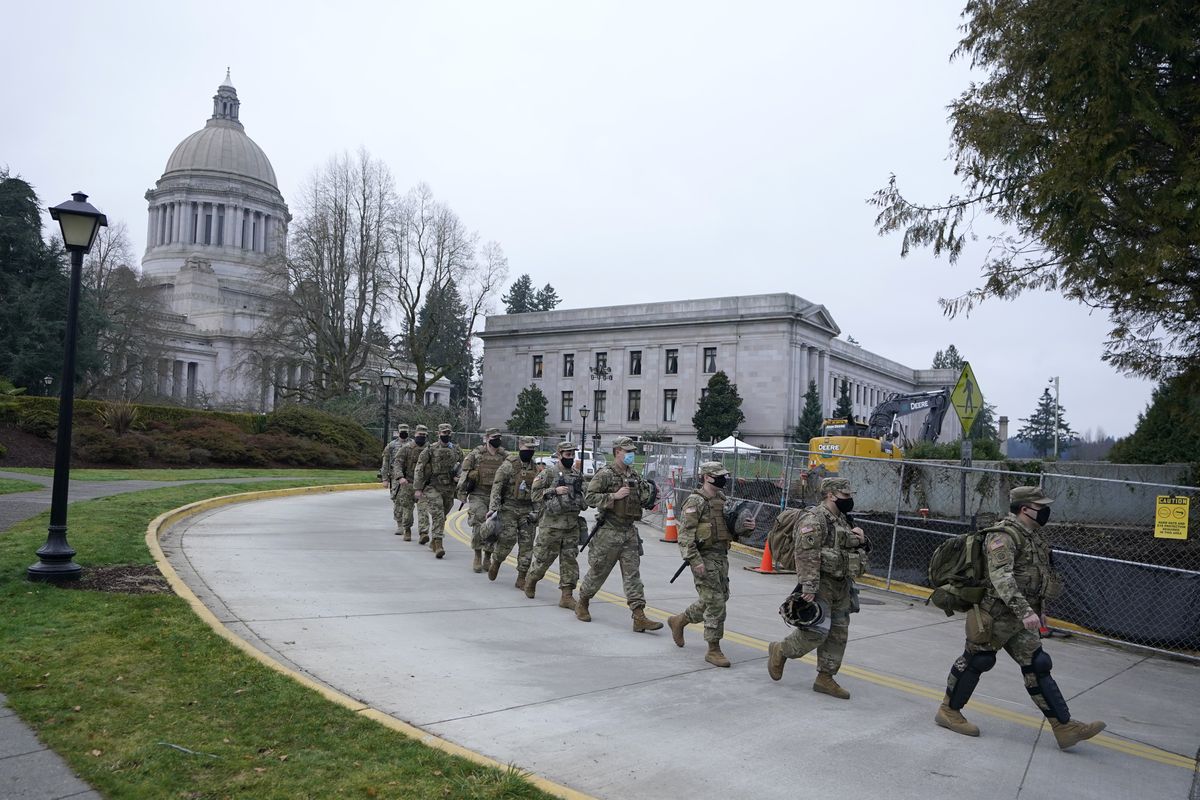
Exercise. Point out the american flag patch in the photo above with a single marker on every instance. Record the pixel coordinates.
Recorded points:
(807, 530)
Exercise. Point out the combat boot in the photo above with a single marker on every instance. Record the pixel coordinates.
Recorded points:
(714, 655)
(530, 588)
(677, 623)
(825, 684)
(642, 623)
(438, 550)
(581, 609)
(424, 538)
(567, 600)
(486, 564)
(952, 720)
(520, 584)
(408, 534)
(775, 660)
(1069, 734)
(399, 531)
(494, 569)
(477, 563)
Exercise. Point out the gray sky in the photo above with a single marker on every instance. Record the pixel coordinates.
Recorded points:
(623, 152)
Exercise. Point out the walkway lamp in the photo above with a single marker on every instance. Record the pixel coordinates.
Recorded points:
(388, 378)
(583, 414)
(46, 381)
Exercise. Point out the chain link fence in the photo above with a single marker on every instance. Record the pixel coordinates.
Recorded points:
(1120, 582)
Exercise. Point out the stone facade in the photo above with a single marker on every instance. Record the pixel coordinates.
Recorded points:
(661, 356)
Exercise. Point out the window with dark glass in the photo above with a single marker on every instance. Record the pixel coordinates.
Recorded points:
(635, 405)
(635, 362)
(672, 362)
(568, 365)
(568, 402)
(537, 366)
(710, 360)
(601, 361)
(599, 401)
(670, 396)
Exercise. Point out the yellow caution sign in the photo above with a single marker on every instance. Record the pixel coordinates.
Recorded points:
(966, 398)
(1171, 517)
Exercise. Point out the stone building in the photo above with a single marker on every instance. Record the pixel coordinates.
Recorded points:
(661, 356)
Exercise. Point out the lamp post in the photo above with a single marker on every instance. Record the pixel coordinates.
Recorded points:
(388, 379)
(79, 221)
(1054, 380)
(583, 414)
(598, 373)
(47, 381)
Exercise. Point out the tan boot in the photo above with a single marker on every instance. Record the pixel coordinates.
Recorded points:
(408, 534)
(530, 588)
(677, 623)
(477, 563)
(952, 720)
(494, 569)
(399, 531)
(714, 655)
(581, 609)
(825, 684)
(486, 563)
(438, 550)
(424, 539)
(567, 600)
(1069, 734)
(520, 584)
(642, 623)
(775, 660)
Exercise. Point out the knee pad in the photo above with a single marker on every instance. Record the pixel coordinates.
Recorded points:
(982, 661)
(1041, 663)
(966, 673)
(1043, 686)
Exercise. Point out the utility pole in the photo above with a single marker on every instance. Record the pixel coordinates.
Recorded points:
(1054, 380)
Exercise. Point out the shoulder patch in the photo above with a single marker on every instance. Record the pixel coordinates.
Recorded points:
(807, 529)
(996, 544)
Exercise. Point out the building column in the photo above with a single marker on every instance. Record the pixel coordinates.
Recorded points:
(176, 380)
(191, 382)
(829, 400)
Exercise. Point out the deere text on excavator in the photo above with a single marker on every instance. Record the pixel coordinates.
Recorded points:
(882, 435)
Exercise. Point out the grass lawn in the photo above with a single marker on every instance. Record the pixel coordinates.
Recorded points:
(207, 473)
(115, 683)
(8, 486)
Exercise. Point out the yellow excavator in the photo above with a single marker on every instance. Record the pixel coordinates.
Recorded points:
(882, 435)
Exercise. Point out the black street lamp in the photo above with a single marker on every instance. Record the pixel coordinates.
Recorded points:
(583, 414)
(79, 221)
(599, 372)
(47, 381)
(388, 379)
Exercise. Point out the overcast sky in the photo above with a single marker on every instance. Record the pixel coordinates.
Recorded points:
(624, 152)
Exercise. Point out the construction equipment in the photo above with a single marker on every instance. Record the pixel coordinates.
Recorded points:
(883, 435)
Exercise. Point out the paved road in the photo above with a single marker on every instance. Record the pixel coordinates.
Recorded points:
(320, 583)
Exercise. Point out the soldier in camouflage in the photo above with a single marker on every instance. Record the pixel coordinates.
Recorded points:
(704, 539)
(403, 519)
(475, 488)
(403, 473)
(557, 499)
(437, 468)
(830, 554)
(619, 494)
(1021, 579)
(512, 499)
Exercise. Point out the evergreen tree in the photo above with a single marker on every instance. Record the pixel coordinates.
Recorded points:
(1169, 430)
(441, 325)
(811, 417)
(529, 416)
(948, 359)
(520, 298)
(720, 412)
(845, 408)
(1038, 430)
(547, 299)
(983, 427)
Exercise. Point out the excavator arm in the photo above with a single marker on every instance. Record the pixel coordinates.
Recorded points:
(883, 422)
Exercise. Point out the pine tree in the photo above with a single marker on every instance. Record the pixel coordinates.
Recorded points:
(547, 299)
(1039, 427)
(442, 328)
(948, 359)
(520, 298)
(811, 418)
(720, 412)
(1169, 430)
(983, 427)
(529, 416)
(845, 408)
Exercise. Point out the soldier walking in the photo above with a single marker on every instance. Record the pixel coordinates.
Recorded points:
(512, 499)
(404, 468)
(704, 538)
(388, 474)
(830, 554)
(475, 487)
(619, 494)
(437, 467)
(1021, 579)
(557, 500)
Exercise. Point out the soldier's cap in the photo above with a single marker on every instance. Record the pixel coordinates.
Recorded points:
(444, 428)
(422, 429)
(713, 468)
(565, 447)
(403, 426)
(492, 432)
(833, 485)
(528, 442)
(1029, 494)
(623, 442)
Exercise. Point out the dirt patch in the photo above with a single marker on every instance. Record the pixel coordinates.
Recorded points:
(122, 579)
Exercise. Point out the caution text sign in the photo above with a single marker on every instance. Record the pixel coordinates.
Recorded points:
(1171, 517)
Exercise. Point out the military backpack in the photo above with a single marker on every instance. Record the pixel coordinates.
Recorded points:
(958, 572)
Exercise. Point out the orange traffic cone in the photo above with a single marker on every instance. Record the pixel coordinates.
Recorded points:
(670, 526)
(767, 567)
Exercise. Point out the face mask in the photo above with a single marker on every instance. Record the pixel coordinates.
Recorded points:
(719, 481)
(1042, 515)
(844, 505)
(628, 459)
(494, 442)
(444, 438)
(526, 455)
(419, 439)
(567, 462)
(403, 434)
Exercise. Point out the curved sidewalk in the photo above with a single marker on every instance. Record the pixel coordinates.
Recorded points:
(320, 584)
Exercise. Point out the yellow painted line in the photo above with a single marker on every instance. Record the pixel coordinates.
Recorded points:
(891, 682)
(167, 519)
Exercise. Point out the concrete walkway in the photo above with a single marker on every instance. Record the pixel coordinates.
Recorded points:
(321, 584)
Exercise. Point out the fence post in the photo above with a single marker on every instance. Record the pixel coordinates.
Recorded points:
(895, 526)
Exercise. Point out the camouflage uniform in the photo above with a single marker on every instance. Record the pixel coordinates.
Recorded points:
(403, 521)
(512, 498)
(1021, 578)
(404, 466)
(437, 467)
(479, 472)
(558, 525)
(704, 539)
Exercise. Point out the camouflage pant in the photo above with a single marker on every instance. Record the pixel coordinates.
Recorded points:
(515, 529)
(437, 504)
(831, 648)
(713, 589)
(560, 543)
(1008, 633)
(477, 509)
(402, 507)
(609, 546)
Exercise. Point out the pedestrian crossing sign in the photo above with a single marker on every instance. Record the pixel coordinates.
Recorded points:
(966, 398)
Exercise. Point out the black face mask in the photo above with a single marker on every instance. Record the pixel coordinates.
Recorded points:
(567, 462)
(845, 505)
(494, 442)
(719, 481)
(526, 455)
(1042, 515)
(444, 438)
(403, 434)
(419, 439)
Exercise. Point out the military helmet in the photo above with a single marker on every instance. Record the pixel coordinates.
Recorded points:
(800, 613)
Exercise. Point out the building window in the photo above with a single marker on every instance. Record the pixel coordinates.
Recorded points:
(635, 362)
(600, 400)
(670, 396)
(672, 362)
(601, 362)
(635, 405)
(710, 360)
(568, 402)
(537, 366)
(568, 365)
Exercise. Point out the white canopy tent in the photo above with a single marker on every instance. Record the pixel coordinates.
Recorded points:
(729, 444)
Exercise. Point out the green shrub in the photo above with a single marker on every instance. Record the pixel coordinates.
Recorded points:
(170, 452)
(199, 456)
(119, 416)
(301, 452)
(38, 421)
(224, 441)
(3, 451)
(338, 433)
